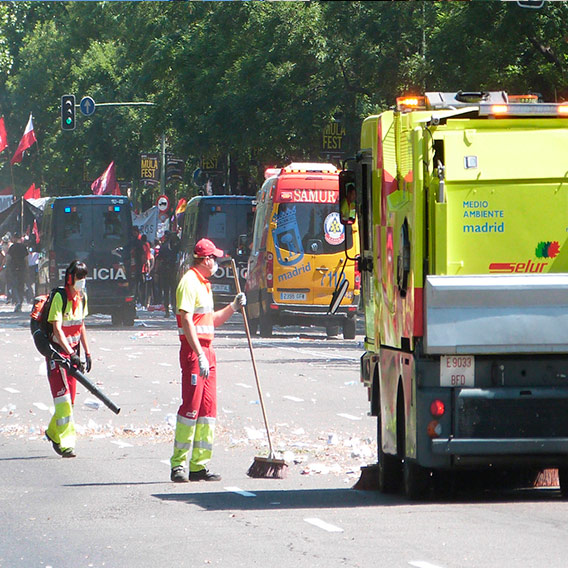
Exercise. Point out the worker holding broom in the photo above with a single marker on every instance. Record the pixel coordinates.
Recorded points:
(196, 319)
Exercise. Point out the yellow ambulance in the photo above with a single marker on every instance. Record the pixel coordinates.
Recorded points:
(300, 252)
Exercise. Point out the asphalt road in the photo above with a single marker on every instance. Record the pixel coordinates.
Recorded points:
(114, 505)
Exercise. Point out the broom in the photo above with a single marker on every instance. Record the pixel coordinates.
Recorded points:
(269, 466)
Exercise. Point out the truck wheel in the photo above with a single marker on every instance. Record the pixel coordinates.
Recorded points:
(563, 479)
(416, 480)
(265, 325)
(389, 466)
(116, 318)
(349, 328)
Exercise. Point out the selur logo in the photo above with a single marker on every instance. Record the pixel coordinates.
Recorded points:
(545, 249)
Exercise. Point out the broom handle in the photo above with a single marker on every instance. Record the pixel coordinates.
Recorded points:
(247, 330)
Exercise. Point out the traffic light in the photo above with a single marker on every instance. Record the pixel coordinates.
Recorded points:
(68, 112)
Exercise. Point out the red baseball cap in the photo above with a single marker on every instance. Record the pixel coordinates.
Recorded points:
(205, 247)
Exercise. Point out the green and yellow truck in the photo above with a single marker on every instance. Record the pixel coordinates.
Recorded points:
(462, 201)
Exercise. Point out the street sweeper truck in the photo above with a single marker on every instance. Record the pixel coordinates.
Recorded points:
(462, 201)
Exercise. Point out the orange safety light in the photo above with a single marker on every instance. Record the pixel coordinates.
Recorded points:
(563, 109)
(499, 109)
(410, 103)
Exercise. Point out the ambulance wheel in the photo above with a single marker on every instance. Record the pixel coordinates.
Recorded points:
(349, 328)
(265, 324)
(332, 330)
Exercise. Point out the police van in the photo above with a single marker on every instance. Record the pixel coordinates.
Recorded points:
(298, 255)
(227, 221)
(96, 230)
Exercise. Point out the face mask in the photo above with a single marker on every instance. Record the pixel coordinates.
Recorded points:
(80, 285)
(215, 267)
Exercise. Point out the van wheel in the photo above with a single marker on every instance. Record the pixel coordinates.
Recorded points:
(253, 326)
(116, 318)
(349, 328)
(128, 317)
(265, 325)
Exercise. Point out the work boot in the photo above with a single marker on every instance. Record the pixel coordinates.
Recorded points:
(56, 447)
(203, 475)
(178, 474)
(68, 453)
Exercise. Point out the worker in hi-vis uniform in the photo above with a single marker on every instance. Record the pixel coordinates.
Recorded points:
(196, 319)
(68, 333)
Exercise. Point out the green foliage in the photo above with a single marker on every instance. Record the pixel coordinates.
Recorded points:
(253, 80)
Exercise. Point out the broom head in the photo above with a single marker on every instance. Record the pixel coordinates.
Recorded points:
(268, 467)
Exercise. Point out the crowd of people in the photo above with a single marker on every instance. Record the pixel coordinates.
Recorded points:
(18, 269)
(155, 270)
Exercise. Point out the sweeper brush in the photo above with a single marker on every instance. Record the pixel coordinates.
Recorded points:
(268, 467)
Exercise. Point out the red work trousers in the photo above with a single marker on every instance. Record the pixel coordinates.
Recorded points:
(198, 394)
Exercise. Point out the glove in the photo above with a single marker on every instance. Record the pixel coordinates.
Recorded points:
(75, 361)
(239, 301)
(88, 362)
(203, 365)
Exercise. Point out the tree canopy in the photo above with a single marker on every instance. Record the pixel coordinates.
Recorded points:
(252, 82)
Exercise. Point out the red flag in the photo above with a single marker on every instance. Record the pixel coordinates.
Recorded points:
(32, 193)
(27, 140)
(35, 230)
(106, 184)
(3, 137)
(182, 204)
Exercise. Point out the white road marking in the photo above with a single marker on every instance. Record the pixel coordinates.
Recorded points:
(243, 385)
(293, 398)
(323, 525)
(240, 491)
(40, 406)
(322, 355)
(121, 444)
(11, 390)
(422, 564)
(349, 416)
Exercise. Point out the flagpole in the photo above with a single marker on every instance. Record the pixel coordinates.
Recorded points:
(40, 165)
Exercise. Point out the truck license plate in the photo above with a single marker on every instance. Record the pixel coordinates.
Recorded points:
(295, 296)
(457, 371)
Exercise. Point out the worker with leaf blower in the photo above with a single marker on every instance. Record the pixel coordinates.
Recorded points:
(66, 315)
(196, 319)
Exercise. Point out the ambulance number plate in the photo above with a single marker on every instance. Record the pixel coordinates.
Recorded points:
(457, 371)
(294, 296)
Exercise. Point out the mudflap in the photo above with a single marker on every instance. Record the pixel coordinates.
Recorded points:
(369, 479)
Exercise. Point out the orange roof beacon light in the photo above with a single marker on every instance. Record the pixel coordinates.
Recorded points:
(499, 109)
(563, 109)
(410, 103)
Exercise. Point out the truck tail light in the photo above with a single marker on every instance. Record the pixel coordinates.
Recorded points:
(269, 270)
(437, 408)
(434, 429)
(357, 283)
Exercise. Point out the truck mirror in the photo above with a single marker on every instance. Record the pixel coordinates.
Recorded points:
(347, 197)
(242, 247)
(338, 295)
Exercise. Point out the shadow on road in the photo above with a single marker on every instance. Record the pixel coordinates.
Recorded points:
(281, 499)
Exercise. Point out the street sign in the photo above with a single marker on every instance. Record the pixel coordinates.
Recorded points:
(87, 106)
(163, 203)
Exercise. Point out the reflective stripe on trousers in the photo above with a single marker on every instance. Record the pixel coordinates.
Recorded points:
(193, 438)
(61, 428)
